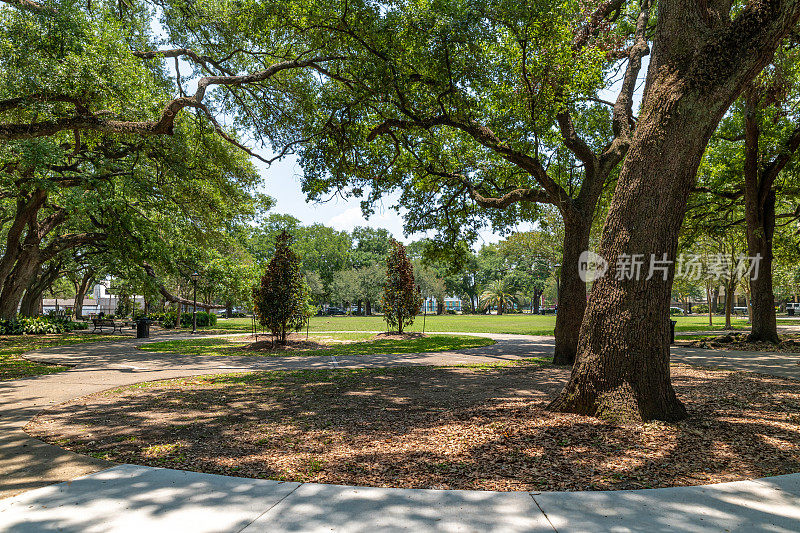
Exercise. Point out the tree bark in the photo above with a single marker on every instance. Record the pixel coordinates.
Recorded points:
(22, 273)
(622, 368)
(701, 62)
(42, 279)
(572, 290)
(759, 201)
(729, 290)
(368, 308)
(80, 293)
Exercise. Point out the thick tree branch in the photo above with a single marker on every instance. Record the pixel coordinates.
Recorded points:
(500, 202)
(177, 53)
(164, 124)
(151, 273)
(68, 241)
(30, 5)
(487, 138)
(774, 167)
(595, 21)
(623, 107)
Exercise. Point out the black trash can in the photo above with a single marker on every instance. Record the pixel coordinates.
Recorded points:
(672, 331)
(143, 328)
(790, 311)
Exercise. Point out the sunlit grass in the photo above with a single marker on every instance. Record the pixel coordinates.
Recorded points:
(12, 347)
(340, 344)
(522, 324)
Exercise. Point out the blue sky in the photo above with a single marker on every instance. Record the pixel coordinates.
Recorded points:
(282, 182)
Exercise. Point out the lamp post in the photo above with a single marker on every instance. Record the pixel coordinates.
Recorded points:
(424, 310)
(195, 277)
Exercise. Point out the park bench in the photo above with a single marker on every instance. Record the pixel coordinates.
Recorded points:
(100, 323)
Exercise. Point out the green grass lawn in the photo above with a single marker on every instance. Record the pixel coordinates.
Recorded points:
(363, 345)
(519, 324)
(13, 366)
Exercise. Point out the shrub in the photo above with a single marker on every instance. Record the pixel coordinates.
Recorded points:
(282, 299)
(203, 319)
(401, 297)
(41, 325)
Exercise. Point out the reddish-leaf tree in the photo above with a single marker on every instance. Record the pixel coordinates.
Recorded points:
(280, 300)
(401, 296)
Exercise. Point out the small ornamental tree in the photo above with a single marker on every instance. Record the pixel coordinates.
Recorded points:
(281, 301)
(401, 296)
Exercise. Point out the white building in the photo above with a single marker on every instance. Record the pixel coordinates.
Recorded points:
(100, 301)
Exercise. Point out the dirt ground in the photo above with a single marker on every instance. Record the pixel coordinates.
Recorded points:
(294, 341)
(789, 343)
(450, 428)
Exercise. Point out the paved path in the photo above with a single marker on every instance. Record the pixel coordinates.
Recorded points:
(134, 498)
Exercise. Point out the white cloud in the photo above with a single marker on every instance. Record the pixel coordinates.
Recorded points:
(348, 219)
(387, 219)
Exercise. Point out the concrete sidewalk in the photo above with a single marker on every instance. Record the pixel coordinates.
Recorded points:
(130, 498)
(134, 498)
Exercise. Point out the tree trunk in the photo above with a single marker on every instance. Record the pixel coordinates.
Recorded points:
(20, 259)
(760, 219)
(358, 311)
(622, 369)
(710, 312)
(228, 309)
(715, 305)
(30, 303)
(749, 305)
(80, 293)
(698, 68)
(15, 283)
(28, 306)
(368, 308)
(42, 280)
(572, 290)
(728, 304)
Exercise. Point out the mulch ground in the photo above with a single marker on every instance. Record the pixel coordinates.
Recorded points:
(789, 343)
(294, 341)
(422, 427)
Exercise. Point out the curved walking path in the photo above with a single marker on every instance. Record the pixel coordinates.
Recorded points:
(47, 488)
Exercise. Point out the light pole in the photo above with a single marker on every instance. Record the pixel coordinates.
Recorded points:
(195, 277)
(424, 310)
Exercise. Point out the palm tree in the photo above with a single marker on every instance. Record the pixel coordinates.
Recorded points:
(497, 295)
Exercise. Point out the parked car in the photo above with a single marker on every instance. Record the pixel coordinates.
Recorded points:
(334, 311)
(676, 311)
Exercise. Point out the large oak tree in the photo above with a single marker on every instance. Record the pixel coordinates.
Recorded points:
(704, 55)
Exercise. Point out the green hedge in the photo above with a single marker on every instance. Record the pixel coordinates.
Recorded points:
(167, 319)
(38, 326)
